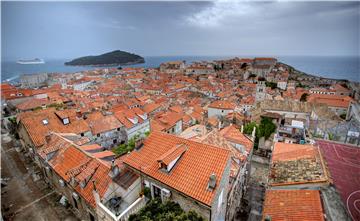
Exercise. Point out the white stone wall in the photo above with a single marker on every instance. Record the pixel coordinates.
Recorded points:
(140, 129)
(218, 112)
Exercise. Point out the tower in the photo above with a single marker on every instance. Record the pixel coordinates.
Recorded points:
(260, 91)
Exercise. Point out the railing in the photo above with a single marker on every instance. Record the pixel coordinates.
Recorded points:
(106, 214)
(133, 208)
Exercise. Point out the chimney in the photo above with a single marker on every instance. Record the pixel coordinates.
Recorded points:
(94, 185)
(78, 114)
(253, 134)
(139, 143)
(114, 171)
(242, 129)
(212, 182)
(95, 193)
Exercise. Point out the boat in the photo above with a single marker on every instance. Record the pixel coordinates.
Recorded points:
(31, 61)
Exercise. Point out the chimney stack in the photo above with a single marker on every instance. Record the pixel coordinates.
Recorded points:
(212, 182)
(242, 129)
(94, 185)
(78, 114)
(139, 143)
(253, 134)
(114, 171)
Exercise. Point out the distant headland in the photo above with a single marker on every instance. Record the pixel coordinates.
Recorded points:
(108, 59)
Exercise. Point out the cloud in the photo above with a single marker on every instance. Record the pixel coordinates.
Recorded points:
(220, 12)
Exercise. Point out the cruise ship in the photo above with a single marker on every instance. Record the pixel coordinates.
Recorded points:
(31, 61)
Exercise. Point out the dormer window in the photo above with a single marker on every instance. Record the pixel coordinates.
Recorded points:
(169, 159)
(66, 121)
(134, 120)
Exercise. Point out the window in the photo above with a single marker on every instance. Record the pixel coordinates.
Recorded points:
(156, 191)
(98, 135)
(66, 121)
(118, 129)
(75, 202)
(220, 200)
(114, 141)
(92, 218)
(45, 122)
(82, 134)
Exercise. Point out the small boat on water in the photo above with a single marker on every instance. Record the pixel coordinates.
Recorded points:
(31, 61)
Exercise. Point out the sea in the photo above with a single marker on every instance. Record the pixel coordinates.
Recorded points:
(345, 67)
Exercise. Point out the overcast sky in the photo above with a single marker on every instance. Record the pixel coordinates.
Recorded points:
(72, 29)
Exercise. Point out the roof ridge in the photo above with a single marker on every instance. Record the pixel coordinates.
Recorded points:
(187, 140)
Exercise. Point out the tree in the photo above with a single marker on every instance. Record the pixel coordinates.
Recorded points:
(271, 84)
(266, 128)
(248, 129)
(125, 148)
(304, 97)
(155, 210)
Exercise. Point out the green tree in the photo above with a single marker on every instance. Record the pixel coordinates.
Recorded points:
(266, 128)
(155, 210)
(125, 148)
(248, 129)
(271, 84)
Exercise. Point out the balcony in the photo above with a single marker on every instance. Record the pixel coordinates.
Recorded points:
(118, 210)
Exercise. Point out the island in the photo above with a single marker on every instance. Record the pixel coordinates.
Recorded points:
(108, 59)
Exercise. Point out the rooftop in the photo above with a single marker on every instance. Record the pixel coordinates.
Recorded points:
(191, 173)
(294, 205)
(296, 164)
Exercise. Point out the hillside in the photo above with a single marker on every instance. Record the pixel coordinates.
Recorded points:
(112, 58)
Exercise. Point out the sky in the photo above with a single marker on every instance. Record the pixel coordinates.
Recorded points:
(64, 30)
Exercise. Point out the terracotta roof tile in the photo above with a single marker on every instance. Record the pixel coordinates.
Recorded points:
(233, 134)
(220, 104)
(192, 171)
(294, 205)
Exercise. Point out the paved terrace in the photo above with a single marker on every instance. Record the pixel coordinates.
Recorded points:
(344, 164)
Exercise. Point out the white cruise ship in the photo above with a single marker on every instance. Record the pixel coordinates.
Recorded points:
(31, 61)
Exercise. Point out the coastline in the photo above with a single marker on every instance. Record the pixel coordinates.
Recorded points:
(107, 65)
(11, 70)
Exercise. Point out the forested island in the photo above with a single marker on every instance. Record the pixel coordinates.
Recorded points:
(112, 58)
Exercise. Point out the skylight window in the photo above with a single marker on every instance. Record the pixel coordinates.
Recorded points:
(45, 122)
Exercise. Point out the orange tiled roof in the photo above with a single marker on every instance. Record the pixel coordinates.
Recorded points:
(286, 152)
(37, 130)
(191, 173)
(294, 205)
(32, 104)
(103, 154)
(232, 134)
(222, 105)
(148, 108)
(104, 124)
(331, 100)
(71, 162)
(165, 121)
(91, 147)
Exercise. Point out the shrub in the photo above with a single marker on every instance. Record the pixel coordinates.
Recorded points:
(155, 210)
(125, 148)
